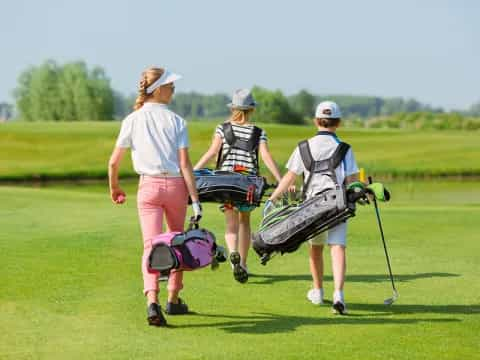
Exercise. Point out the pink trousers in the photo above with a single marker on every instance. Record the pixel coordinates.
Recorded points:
(158, 196)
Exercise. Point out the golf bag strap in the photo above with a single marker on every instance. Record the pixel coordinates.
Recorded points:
(320, 166)
(305, 154)
(250, 145)
(339, 154)
(307, 158)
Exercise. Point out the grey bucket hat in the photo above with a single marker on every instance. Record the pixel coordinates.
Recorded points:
(242, 99)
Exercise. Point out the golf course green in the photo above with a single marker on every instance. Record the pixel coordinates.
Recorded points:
(71, 286)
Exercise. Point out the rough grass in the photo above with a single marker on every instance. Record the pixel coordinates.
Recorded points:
(81, 150)
(70, 286)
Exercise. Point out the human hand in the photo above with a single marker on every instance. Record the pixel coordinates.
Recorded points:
(117, 195)
(197, 211)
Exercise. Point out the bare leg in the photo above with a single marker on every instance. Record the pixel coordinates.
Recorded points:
(231, 230)
(152, 297)
(173, 296)
(244, 236)
(316, 265)
(338, 266)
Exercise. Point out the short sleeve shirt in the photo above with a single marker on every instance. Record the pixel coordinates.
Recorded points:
(322, 147)
(154, 134)
(237, 158)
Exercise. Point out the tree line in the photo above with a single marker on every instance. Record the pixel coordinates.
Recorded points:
(72, 91)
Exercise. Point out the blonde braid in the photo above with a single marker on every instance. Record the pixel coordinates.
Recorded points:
(149, 76)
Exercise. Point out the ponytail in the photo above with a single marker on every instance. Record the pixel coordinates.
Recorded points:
(149, 76)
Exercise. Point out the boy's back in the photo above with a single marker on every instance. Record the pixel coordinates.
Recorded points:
(322, 146)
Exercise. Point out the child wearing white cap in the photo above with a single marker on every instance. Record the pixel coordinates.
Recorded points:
(158, 139)
(322, 146)
(237, 215)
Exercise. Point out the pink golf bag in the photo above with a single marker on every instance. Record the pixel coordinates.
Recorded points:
(190, 250)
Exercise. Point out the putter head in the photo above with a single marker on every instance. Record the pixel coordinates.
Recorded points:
(391, 300)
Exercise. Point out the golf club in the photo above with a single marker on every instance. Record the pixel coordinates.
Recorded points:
(391, 300)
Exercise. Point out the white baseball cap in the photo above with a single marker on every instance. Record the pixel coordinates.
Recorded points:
(328, 110)
(166, 78)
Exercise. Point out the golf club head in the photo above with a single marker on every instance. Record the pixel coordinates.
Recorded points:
(391, 300)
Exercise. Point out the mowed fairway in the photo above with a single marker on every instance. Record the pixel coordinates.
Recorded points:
(70, 285)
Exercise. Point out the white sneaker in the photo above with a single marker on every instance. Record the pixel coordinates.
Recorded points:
(339, 307)
(315, 296)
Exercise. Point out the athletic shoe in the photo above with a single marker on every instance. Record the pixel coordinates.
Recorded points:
(315, 296)
(339, 308)
(220, 254)
(155, 316)
(176, 309)
(239, 273)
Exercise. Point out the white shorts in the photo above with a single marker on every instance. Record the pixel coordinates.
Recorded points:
(334, 236)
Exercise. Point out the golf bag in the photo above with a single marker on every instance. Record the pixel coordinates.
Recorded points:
(190, 250)
(227, 186)
(285, 228)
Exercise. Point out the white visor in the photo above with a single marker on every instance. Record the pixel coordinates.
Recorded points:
(166, 78)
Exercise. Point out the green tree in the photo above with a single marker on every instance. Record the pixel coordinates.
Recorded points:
(274, 107)
(303, 103)
(68, 92)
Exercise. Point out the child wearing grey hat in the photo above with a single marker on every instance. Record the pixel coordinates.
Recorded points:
(230, 158)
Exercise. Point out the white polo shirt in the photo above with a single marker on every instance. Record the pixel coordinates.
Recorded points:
(154, 134)
(322, 147)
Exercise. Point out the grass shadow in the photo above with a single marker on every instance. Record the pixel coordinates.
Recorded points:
(268, 323)
(403, 309)
(261, 279)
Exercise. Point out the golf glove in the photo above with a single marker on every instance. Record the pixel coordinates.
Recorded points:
(269, 205)
(356, 193)
(197, 211)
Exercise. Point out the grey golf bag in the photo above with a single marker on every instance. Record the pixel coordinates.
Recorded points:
(286, 227)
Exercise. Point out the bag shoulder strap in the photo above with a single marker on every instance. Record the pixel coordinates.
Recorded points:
(250, 145)
(321, 166)
(339, 154)
(254, 140)
(228, 133)
(229, 137)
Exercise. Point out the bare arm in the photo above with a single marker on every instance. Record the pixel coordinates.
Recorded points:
(187, 173)
(351, 178)
(211, 152)
(269, 162)
(287, 180)
(113, 168)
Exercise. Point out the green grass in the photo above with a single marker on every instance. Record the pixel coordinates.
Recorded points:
(73, 150)
(70, 284)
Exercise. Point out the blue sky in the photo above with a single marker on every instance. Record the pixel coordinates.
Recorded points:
(428, 50)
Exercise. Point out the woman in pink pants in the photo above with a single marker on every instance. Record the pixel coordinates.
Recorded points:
(158, 139)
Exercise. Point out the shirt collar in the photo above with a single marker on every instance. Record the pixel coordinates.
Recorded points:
(323, 132)
(153, 105)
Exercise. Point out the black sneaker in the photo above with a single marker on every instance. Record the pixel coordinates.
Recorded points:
(220, 254)
(339, 308)
(155, 316)
(176, 309)
(239, 273)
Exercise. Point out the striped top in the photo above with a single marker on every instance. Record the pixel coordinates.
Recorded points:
(238, 157)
